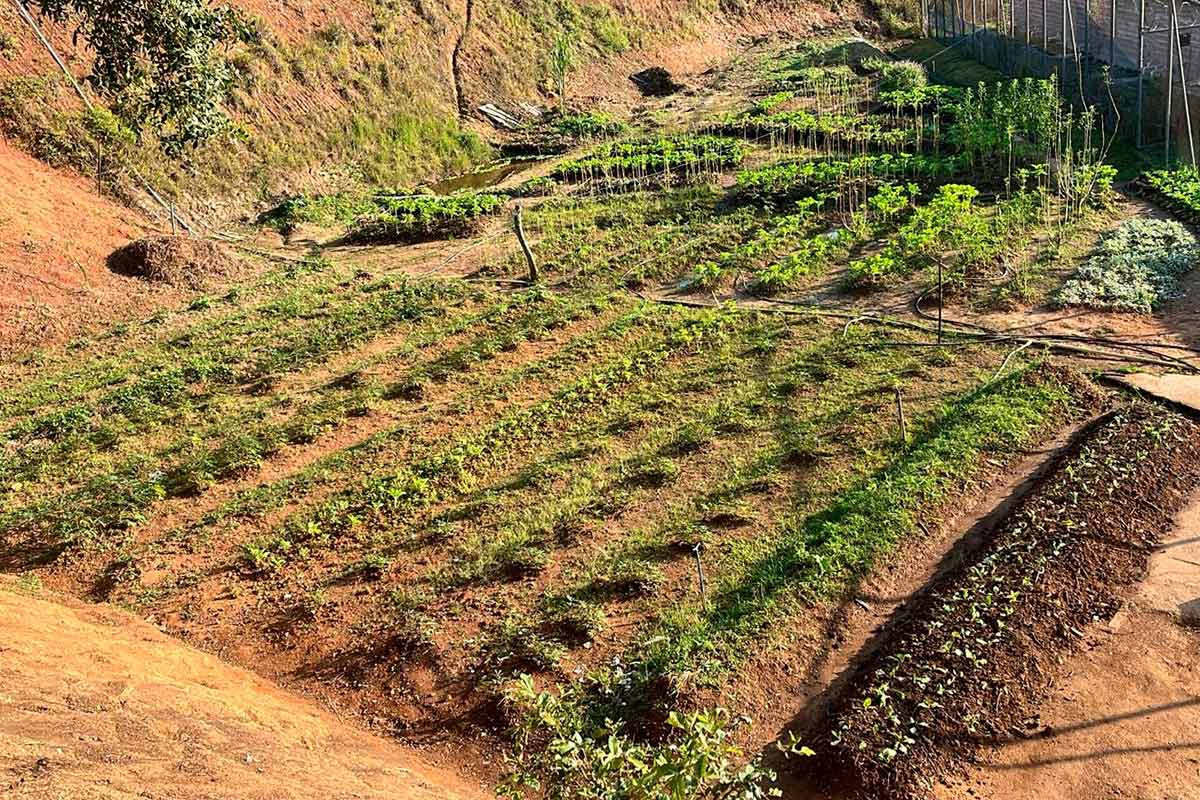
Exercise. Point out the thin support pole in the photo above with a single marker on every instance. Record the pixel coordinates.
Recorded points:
(1087, 29)
(1062, 69)
(1187, 111)
(1027, 32)
(900, 415)
(1112, 34)
(1170, 93)
(1141, 68)
(1045, 28)
(940, 300)
(700, 576)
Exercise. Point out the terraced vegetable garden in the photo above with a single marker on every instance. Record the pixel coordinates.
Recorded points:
(558, 527)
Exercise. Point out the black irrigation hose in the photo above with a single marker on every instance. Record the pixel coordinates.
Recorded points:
(990, 337)
(1082, 339)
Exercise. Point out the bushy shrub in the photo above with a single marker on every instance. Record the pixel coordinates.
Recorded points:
(588, 125)
(893, 76)
(556, 742)
(1136, 267)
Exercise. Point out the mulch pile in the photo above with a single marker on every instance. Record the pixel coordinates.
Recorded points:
(176, 260)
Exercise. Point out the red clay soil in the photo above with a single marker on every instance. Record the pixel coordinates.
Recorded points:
(55, 234)
(97, 704)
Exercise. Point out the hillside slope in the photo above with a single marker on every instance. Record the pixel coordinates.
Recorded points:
(55, 233)
(96, 704)
(380, 92)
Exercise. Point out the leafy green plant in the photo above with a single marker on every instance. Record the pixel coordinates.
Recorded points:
(1136, 267)
(562, 59)
(939, 224)
(1178, 188)
(588, 125)
(562, 752)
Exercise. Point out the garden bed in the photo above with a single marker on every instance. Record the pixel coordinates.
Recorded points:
(974, 653)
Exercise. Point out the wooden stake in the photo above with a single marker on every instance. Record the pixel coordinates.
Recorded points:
(520, 229)
(700, 575)
(940, 295)
(900, 414)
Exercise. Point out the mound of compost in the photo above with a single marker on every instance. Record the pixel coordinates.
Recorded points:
(976, 652)
(176, 260)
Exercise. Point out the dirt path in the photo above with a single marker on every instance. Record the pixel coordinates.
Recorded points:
(97, 704)
(1124, 718)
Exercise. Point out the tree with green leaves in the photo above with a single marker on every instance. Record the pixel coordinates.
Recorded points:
(161, 64)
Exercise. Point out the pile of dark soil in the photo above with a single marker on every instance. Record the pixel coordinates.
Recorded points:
(655, 82)
(176, 260)
(976, 652)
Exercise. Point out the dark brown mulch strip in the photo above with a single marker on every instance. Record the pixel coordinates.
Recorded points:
(977, 651)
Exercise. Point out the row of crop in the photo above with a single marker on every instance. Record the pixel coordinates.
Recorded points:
(932, 227)
(683, 153)
(796, 414)
(697, 641)
(141, 405)
(811, 557)
(805, 127)
(245, 449)
(791, 178)
(82, 517)
(342, 466)
(767, 242)
(1178, 189)
(961, 665)
(383, 500)
(224, 331)
(519, 544)
(418, 219)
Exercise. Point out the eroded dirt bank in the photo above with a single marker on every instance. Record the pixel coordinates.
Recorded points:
(97, 704)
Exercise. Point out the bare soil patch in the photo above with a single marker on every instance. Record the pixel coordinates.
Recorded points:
(96, 704)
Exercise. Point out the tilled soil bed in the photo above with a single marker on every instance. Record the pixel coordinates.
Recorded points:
(975, 653)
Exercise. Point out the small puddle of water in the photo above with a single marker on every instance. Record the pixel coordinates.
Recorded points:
(481, 179)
